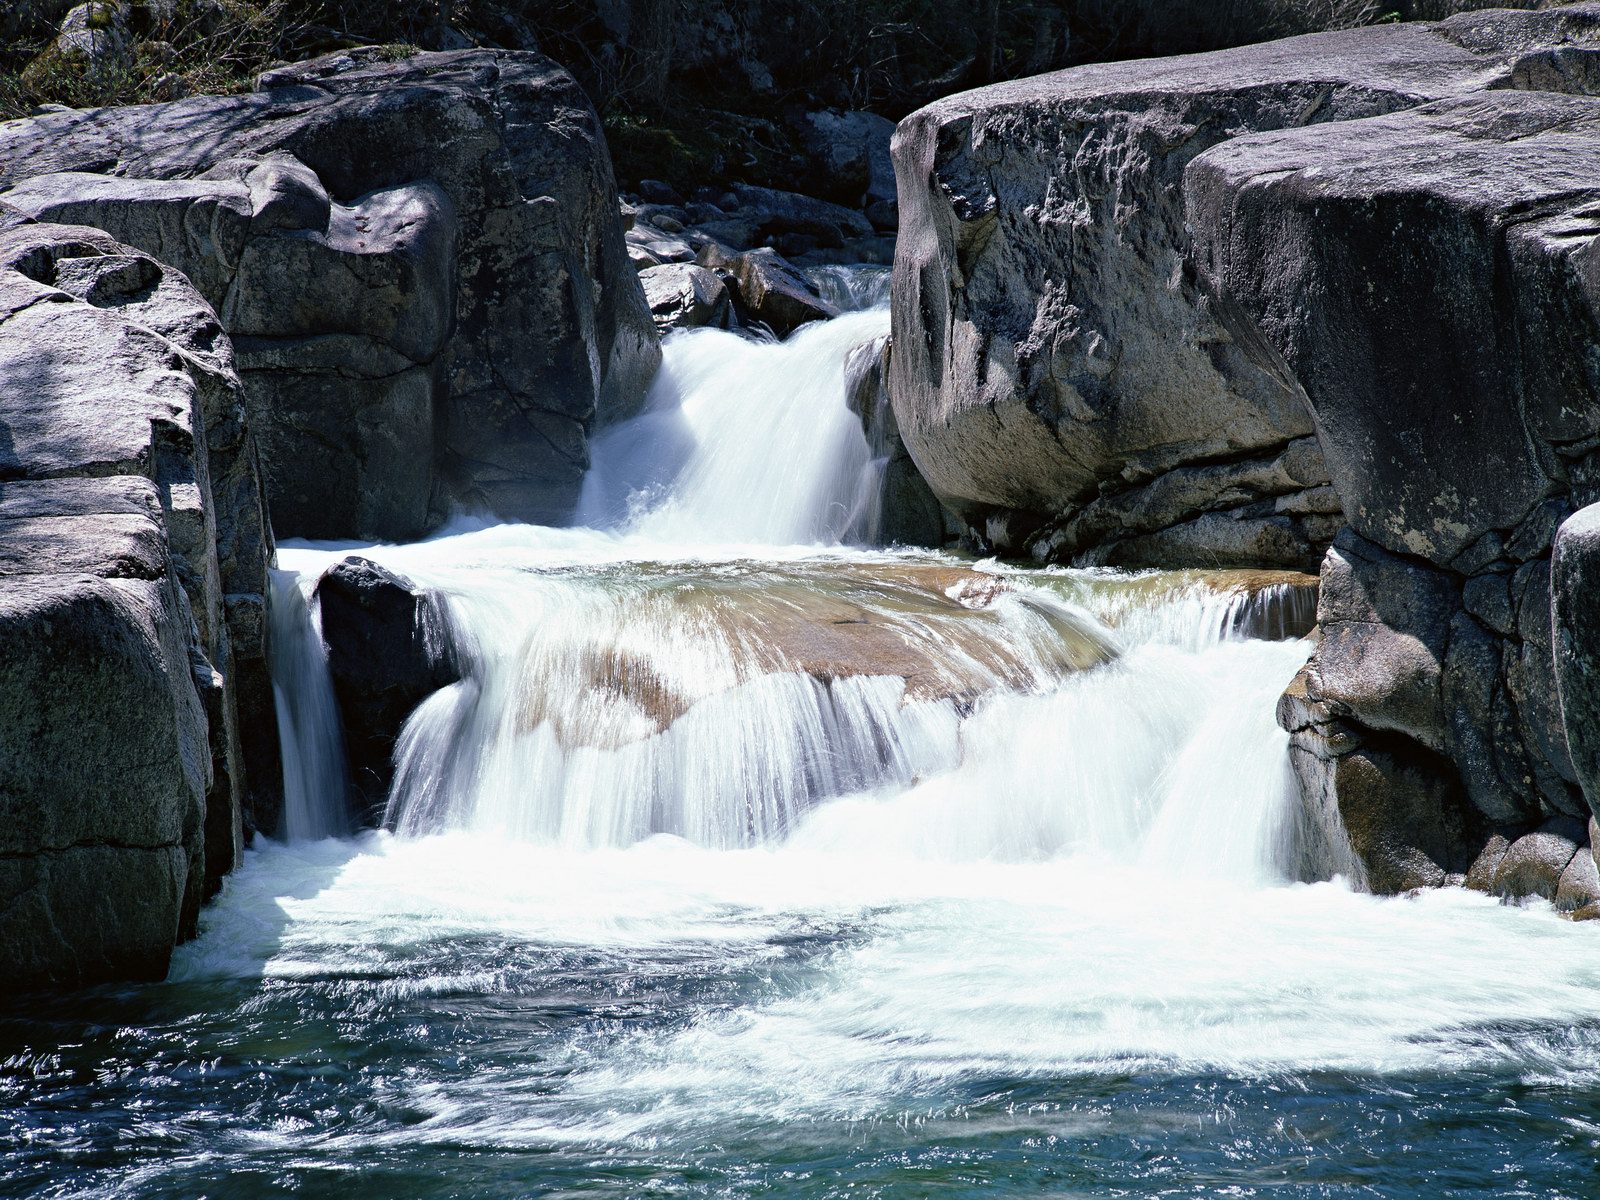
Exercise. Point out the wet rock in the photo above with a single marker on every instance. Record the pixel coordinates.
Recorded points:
(908, 513)
(1579, 885)
(686, 296)
(1481, 875)
(769, 289)
(456, 210)
(1399, 813)
(389, 648)
(1534, 864)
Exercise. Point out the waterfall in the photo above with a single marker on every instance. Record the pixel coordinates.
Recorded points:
(701, 658)
(741, 442)
(309, 740)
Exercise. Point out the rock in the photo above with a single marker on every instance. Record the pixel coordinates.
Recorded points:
(1400, 814)
(1575, 596)
(1385, 626)
(1055, 340)
(1579, 885)
(851, 150)
(1535, 863)
(685, 296)
(768, 289)
(1478, 207)
(907, 512)
(655, 192)
(133, 551)
(773, 213)
(455, 211)
(389, 648)
(1480, 875)
(649, 246)
(95, 42)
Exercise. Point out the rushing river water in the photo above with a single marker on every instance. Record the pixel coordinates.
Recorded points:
(739, 863)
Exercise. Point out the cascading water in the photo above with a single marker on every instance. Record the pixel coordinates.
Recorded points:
(741, 862)
(314, 779)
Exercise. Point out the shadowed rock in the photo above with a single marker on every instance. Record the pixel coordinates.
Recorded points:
(422, 261)
(389, 648)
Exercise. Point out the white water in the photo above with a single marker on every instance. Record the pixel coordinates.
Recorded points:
(1069, 848)
(309, 738)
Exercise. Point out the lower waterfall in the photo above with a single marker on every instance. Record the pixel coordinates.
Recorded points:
(743, 861)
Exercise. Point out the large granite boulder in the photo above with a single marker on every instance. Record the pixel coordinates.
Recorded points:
(421, 264)
(138, 726)
(1426, 280)
(1056, 355)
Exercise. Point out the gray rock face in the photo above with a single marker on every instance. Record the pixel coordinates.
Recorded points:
(1482, 209)
(1575, 615)
(1055, 348)
(421, 262)
(133, 551)
(1425, 278)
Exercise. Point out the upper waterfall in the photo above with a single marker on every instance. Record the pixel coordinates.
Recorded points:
(741, 441)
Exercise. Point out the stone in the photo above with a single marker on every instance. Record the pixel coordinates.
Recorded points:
(1385, 626)
(1401, 815)
(1480, 875)
(133, 558)
(852, 151)
(768, 289)
(455, 208)
(389, 647)
(1535, 862)
(1482, 207)
(1579, 885)
(1575, 619)
(774, 213)
(1055, 333)
(95, 41)
(907, 512)
(686, 296)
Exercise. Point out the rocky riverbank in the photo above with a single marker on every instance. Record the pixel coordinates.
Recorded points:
(1325, 300)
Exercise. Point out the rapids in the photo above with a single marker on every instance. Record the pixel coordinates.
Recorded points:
(746, 861)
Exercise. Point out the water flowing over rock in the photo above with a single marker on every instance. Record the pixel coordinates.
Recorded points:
(420, 262)
(1211, 309)
(133, 555)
